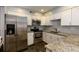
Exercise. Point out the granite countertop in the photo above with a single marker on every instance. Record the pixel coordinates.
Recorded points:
(69, 44)
(73, 39)
(62, 47)
(59, 33)
(34, 31)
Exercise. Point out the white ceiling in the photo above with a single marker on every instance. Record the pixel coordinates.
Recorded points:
(38, 8)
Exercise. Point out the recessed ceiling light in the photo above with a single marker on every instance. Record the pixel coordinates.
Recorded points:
(42, 10)
(19, 10)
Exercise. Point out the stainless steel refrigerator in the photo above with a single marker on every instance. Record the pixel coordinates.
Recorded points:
(16, 33)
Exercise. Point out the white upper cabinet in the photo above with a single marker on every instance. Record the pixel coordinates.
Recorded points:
(70, 17)
(57, 16)
(43, 21)
(29, 21)
(66, 17)
(75, 16)
(46, 21)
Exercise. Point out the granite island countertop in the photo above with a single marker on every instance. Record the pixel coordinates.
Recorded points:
(69, 44)
(63, 47)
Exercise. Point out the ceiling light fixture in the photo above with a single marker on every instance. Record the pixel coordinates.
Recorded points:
(42, 10)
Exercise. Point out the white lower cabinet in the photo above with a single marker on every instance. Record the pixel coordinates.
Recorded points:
(45, 37)
(30, 38)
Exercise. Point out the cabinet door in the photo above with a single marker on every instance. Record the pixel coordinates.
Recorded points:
(30, 39)
(48, 38)
(44, 37)
(29, 20)
(43, 21)
(75, 16)
(66, 18)
(48, 20)
(56, 16)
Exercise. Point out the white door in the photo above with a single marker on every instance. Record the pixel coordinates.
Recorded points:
(66, 18)
(75, 16)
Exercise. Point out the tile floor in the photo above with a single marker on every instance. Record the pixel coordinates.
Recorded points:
(38, 47)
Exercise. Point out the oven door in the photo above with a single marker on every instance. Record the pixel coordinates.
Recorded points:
(38, 34)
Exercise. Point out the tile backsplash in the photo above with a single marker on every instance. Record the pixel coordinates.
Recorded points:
(65, 29)
(69, 29)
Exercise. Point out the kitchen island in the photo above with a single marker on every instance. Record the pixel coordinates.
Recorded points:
(62, 47)
(61, 43)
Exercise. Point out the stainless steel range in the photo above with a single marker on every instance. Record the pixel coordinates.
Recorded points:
(37, 37)
(36, 29)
